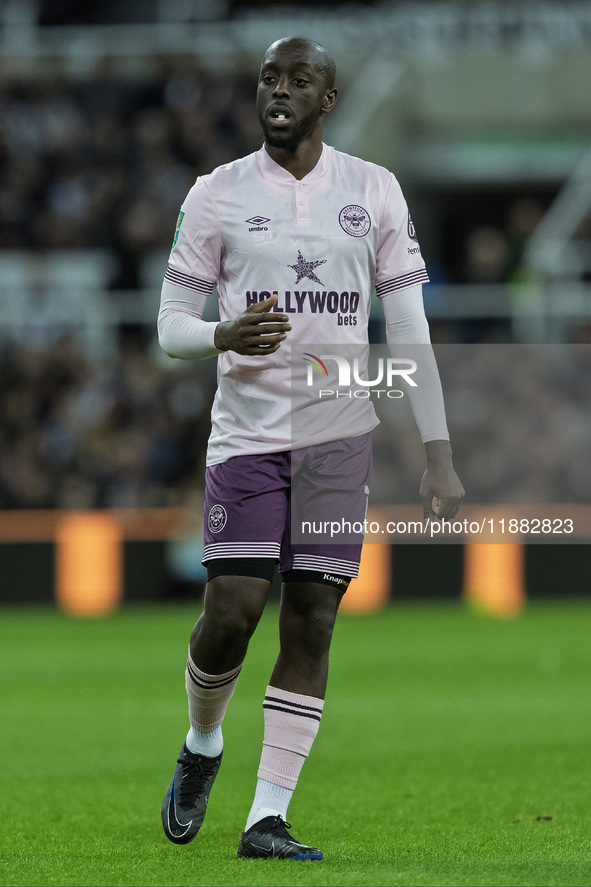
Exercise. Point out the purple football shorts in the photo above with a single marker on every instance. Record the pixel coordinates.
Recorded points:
(304, 508)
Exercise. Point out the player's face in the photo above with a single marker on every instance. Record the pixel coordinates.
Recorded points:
(292, 96)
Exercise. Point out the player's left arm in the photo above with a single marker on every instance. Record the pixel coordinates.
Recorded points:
(407, 333)
(441, 491)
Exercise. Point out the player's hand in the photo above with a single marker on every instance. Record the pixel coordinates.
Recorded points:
(255, 331)
(441, 491)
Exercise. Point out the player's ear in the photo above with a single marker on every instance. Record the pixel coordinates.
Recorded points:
(329, 100)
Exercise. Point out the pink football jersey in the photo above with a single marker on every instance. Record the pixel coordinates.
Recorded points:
(323, 244)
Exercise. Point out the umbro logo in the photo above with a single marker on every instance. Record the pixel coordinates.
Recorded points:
(258, 222)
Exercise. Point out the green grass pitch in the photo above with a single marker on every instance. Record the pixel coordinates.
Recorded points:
(455, 749)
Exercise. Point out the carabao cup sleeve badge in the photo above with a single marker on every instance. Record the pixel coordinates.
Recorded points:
(177, 230)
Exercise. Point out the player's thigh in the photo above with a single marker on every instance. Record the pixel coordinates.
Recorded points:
(330, 491)
(246, 506)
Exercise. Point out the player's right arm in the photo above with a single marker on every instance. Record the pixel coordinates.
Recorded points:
(255, 331)
(184, 334)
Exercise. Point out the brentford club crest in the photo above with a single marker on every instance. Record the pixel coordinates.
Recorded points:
(217, 518)
(355, 220)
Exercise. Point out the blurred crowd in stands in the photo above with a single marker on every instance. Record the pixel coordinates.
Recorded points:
(520, 420)
(104, 161)
(81, 433)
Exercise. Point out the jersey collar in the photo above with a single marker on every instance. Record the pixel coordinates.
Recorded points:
(272, 170)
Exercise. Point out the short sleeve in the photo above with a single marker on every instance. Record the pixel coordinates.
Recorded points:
(194, 261)
(399, 260)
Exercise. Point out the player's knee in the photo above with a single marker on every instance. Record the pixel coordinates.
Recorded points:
(233, 606)
(308, 632)
(320, 627)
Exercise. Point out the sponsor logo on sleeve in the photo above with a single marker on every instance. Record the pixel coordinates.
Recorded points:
(412, 250)
(177, 230)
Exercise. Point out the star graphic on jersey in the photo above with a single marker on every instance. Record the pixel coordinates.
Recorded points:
(306, 269)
